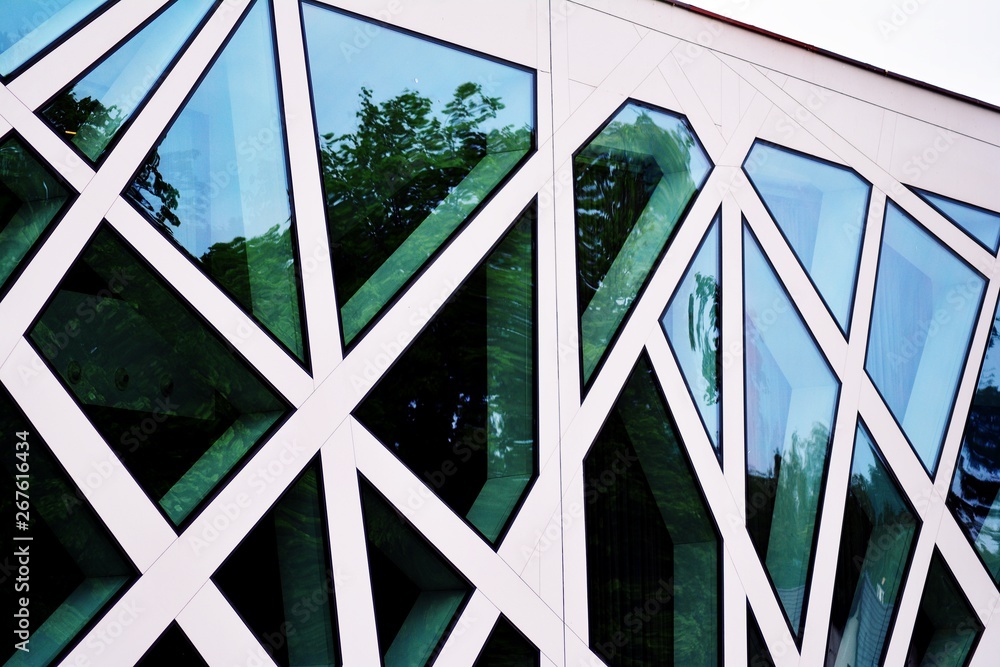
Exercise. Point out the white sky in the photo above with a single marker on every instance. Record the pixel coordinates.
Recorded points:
(954, 44)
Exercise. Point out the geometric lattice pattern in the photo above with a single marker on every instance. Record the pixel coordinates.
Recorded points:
(519, 334)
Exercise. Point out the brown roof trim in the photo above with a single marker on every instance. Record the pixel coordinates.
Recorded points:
(836, 56)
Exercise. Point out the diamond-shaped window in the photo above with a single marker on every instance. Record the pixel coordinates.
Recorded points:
(173, 402)
(633, 182)
(413, 136)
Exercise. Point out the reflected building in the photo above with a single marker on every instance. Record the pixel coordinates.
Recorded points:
(511, 336)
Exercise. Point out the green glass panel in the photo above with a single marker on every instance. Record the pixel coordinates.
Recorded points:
(879, 532)
(652, 550)
(91, 111)
(458, 407)
(791, 395)
(947, 629)
(76, 568)
(692, 323)
(974, 498)
(179, 409)
(926, 303)
(632, 182)
(172, 648)
(413, 136)
(983, 225)
(820, 208)
(417, 594)
(758, 654)
(217, 182)
(507, 647)
(279, 579)
(28, 27)
(30, 199)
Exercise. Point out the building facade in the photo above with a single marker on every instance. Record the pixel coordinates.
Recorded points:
(341, 332)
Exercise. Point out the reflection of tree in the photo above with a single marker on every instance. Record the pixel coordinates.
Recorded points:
(87, 122)
(703, 332)
(404, 158)
(158, 198)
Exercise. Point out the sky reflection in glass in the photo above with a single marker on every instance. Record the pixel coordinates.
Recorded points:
(28, 27)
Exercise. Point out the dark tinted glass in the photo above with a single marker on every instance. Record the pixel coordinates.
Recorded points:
(507, 647)
(217, 183)
(758, 654)
(172, 648)
(175, 404)
(417, 594)
(413, 136)
(652, 550)
(947, 629)
(632, 182)
(459, 406)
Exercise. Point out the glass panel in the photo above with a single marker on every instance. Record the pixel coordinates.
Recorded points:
(879, 533)
(758, 654)
(458, 407)
(30, 199)
(413, 136)
(28, 27)
(947, 629)
(92, 110)
(820, 208)
(172, 648)
(926, 302)
(507, 647)
(279, 578)
(652, 550)
(633, 182)
(791, 395)
(982, 224)
(78, 567)
(417, 594)
(167, 395)
(217, 183)
(975, 489)
(692, 322)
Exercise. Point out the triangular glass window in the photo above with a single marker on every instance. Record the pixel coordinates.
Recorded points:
(92, 110)
(413, 136)
(633, 182)
(652, 549)
(983, 225)
(507, 647)
(947, 629)
(693, 324)
(926, 303)
(217, 183)
(172, 648)
(820, 208)
(458, 407)
(791, 396)
(170, 398)
(418, 595)
(279, 579)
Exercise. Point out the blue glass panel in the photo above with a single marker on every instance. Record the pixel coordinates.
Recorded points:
(875, 546)
(217, 183)
(92, 110)
(982, 224)
(791, 396)
(820, 208)
(632, 183)
(926, 302)
(413, 136)
(692, 323)
(975, 489)
(947, 629)
(28, 27)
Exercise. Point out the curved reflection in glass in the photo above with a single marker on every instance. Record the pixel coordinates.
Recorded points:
(652, 548)
(28, 27)
(92, 110)
(217, 182)
(983, 225)
(413, 136)
(692, 323)
(820, 208)
(791, 396)
(926, 303)
(632, 183)
(947, 629)
(880, 529)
